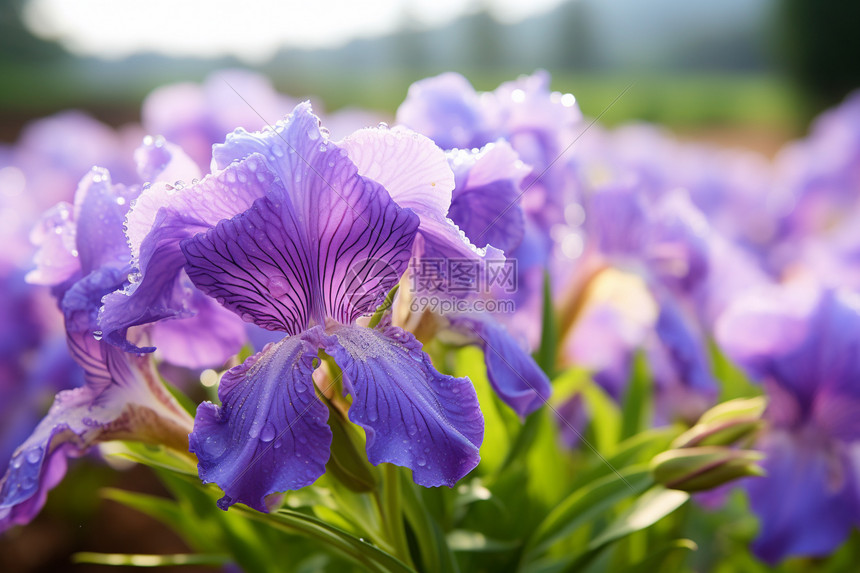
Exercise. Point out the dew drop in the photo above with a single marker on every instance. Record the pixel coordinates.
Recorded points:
(372, 415)
(34, 455)
(214, 446)
(268, 433)
(325, 132)
(314, 134)
(323, 147)
(17, 461)
(422, 462)
(98, 334)
(254, 432)
(413, 429)
(277, 286)
(120, 200)
(382, 125)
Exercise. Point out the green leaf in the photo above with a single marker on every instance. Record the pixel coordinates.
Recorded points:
(348, 462)
(546, 353)
(355, 549)
(139, 560)
(583, 506)
(155, 456)
(648, 509)
(660, 555)
(640, 448)
(470, 363)
(636, 412)
(734, 383)
(475, 541)
(436, 555)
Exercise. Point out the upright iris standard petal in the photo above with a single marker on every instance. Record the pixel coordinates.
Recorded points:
(416, 175)
(512, 372)
(447, 109)
(485, 202)
(328, 243)
(270, 434)
(413, 415)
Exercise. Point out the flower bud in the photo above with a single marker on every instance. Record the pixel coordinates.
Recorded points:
(725, 424)
(697, 469)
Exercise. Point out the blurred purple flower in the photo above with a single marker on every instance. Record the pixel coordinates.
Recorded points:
(804, 347)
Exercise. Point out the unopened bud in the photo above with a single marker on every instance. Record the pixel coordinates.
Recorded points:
(725, 424)
(698, 469)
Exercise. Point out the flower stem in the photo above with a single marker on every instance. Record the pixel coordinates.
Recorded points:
(392, 512)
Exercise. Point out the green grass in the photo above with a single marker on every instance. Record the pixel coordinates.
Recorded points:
(673, 100)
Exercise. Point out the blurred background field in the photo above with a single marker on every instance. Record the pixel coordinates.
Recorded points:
(749, 73)
(746, 72)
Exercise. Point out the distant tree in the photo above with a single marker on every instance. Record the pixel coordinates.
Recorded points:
(17, 43)
(820, 48)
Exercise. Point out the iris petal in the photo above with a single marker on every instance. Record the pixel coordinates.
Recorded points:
(413, 415)
(270, 434)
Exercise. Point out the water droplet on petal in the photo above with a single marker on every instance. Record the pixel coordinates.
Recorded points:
(98, 334)
(421, 462)
(214, 446)
(268, 433)
(34, 455)
(277, 286)
(382, 125)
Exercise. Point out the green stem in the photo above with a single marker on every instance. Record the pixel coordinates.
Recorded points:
(392, 512)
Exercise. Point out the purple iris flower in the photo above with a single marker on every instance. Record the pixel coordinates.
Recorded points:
(122, 397)
(483, 195)
(538, 124)
(804, 347)
(288, 235)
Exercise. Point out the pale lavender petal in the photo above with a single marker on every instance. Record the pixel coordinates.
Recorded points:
(446, 109)
(206, 340)
(160, 160)
(413, 415)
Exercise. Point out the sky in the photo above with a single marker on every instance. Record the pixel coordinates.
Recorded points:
(252, 30)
